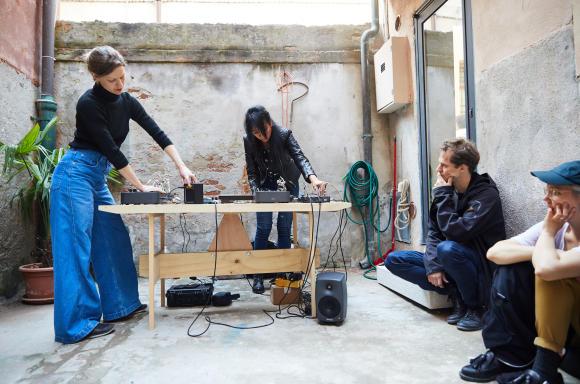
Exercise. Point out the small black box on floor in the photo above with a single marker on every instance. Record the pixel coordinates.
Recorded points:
(138, 197)
(331, 298)
(189, 295)
(193, 194)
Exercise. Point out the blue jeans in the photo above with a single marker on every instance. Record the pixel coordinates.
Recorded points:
(83, 236)
(460, 263)
(283, 224)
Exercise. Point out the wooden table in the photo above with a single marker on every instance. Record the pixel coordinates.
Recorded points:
(235, 255)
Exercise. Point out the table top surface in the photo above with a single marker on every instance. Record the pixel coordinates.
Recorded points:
(241, 207)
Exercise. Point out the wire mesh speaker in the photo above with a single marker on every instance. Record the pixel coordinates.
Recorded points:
(331, 297)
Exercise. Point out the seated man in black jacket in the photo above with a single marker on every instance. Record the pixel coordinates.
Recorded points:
(465, 220)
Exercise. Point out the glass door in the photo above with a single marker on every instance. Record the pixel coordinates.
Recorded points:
(444, 68)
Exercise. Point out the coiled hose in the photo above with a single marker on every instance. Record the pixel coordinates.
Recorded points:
(361, 190)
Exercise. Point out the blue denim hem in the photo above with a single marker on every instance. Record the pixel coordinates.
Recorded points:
(123, 313)
(81, 335)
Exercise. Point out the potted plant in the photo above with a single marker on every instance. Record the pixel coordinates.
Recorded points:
(31, 158)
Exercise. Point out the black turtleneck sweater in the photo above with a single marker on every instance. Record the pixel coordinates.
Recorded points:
(103, 123)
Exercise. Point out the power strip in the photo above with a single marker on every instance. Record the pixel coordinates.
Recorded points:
(314, 199)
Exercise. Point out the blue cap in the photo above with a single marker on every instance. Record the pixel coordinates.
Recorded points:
(564, 174)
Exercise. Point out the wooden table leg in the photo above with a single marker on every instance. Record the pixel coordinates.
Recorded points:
(295, 229)
(152, 271)
(162, 250)
(311, 262)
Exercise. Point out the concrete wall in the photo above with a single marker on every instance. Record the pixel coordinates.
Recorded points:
(197, 81)
(403, 123)
(528, 116)
(503, 28)
(19, 59)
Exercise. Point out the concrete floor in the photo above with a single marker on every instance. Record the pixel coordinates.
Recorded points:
(385, 339)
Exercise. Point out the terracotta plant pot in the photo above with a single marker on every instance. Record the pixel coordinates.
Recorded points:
(39, 284)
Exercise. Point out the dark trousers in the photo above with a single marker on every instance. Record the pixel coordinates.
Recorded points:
(508, 325)
(462, 267)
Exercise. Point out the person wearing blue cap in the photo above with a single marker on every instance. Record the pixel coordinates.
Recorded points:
(535, 298)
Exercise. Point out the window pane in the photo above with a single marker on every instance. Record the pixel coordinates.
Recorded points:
(444, 79)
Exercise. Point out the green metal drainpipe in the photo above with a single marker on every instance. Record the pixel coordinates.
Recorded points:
(45, 111)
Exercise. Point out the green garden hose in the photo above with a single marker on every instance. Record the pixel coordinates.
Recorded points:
(361, 190)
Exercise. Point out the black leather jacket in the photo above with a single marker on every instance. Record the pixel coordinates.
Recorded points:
(284, 148)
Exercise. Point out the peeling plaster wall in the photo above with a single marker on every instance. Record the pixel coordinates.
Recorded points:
(201, 107)
(19, 59)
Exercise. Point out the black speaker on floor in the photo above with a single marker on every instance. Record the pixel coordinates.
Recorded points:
(331, 297)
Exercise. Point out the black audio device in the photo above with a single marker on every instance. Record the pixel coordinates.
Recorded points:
(189, 295)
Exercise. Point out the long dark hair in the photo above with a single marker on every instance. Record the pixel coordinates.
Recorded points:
(256, 118)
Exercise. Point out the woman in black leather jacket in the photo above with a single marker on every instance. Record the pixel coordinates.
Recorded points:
(274, 161)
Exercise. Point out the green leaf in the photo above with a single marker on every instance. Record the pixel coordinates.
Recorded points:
(28, 142)
(49, 126)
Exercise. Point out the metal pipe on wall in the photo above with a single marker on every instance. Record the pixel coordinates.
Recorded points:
(45, 105)
(367, 134)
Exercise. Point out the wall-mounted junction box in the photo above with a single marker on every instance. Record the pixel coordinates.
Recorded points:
(393, 75)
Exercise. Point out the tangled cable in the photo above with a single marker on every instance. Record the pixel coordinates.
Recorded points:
(403, 217)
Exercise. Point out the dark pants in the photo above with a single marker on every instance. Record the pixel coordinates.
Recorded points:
(462, 267)
(283, 224)
(508, 325)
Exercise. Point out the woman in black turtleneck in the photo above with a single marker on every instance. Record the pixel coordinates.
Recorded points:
(82, 236)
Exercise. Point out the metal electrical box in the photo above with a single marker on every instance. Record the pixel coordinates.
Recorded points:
(393, 75)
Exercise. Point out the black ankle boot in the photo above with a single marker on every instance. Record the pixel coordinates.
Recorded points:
(258, 285)
(459, 308)
(471, 321)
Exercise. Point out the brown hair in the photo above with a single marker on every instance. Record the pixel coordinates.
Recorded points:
(103, 60)
(464, 152)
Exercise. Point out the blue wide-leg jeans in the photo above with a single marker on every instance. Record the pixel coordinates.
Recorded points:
(83, 236)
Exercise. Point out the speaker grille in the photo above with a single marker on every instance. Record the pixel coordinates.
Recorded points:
(329, 307)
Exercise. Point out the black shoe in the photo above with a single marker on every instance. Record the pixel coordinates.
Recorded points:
(471, 321)
(140, 309)
(102, 329)
(459, 310)
(258, 285)
(529, 376)
(485, 367)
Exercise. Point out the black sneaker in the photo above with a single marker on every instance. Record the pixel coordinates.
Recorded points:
(459, 310)
(102, 329)
(528, 376)
(140, 309)
(258, 285)
(471, 321)
(483, 368)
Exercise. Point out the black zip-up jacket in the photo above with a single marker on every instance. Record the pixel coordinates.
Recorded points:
(285, 149)
(474, 219)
